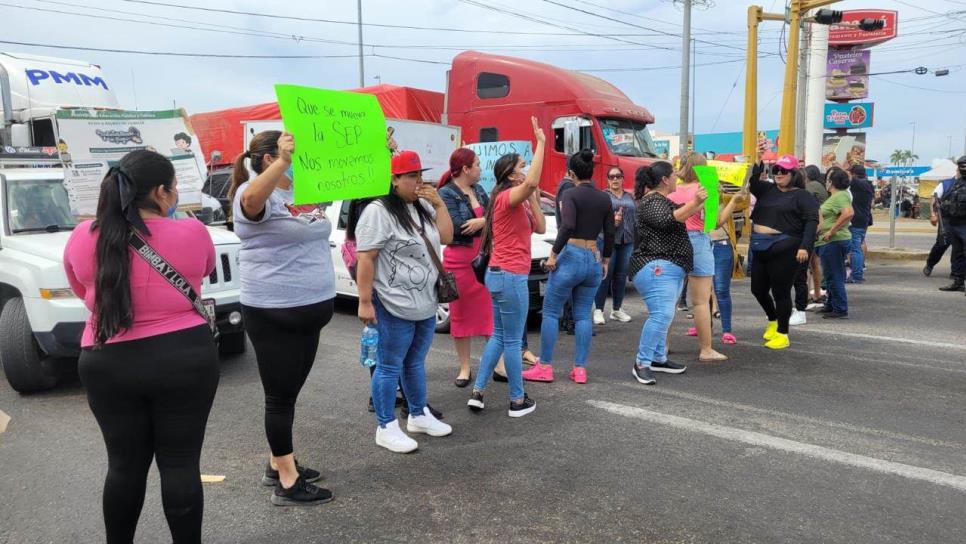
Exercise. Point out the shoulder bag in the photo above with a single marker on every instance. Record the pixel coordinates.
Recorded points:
(481, 262)
(446, 290)
(157, 262)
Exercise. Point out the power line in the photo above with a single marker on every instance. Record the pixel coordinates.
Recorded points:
(353, 23)
(175, 54)
(586, 12)
(944, 91)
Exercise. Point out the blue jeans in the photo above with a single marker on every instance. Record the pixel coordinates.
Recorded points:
(616, 281)
(659, 283)
(833, 255)
(511, 303)
(578, 274)
(724, 262)
(858, 258)
(403, 346)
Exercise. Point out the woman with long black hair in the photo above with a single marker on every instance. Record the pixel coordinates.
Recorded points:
(514, 215)
(785, 221)
(397, 292)
(148, 360)
(287, 294)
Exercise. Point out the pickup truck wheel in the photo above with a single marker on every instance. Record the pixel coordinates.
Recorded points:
(231, 344)
(442, 318)
(19, 353)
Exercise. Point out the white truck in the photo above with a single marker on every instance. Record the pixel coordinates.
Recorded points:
(40, 319)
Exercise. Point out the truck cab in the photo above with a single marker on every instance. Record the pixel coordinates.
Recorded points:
(41, 320)
(492, 98)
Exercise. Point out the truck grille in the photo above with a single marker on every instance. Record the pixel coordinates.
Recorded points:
(221, 276)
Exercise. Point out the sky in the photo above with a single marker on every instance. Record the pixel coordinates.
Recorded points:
(633, 44)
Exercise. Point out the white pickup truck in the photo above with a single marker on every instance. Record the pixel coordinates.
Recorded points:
(541, 244)
(40, 318)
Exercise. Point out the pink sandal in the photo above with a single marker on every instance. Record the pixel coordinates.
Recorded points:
(729, 338)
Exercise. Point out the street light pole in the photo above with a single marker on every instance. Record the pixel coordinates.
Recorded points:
(912, 150)
(362, 65)
(685, 80)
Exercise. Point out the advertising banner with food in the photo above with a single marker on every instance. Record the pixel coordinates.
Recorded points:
(854, 115)
(843, 150)
(847, 74)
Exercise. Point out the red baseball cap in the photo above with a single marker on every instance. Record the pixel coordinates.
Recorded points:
(406, 162)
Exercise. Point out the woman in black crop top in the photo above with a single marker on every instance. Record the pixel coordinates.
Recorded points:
(785, 222)
(576, 267)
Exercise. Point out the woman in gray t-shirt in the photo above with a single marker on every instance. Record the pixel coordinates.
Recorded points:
(287, 294)
(397, 292)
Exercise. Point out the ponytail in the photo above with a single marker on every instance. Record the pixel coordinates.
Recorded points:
(264, 143)
(125, 190)
(649, 177)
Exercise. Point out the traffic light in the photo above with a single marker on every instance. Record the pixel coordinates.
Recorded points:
(828, 16)
(869, 24)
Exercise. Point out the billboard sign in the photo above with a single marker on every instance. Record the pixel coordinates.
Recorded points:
(854, 115)
(848, 33)
(847, 74)
(898, 171)
(843, 150)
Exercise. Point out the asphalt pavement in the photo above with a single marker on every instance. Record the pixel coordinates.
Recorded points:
(855, 434)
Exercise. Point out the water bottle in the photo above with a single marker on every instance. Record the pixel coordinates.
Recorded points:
(369, 347)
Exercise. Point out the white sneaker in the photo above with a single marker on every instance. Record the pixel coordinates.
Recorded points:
(813, 306)
(798, 318)
(427, 424)
(620, 315)
(598, 317)
(393, 439)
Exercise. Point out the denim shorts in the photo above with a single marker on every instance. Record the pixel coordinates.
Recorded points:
(703, 254)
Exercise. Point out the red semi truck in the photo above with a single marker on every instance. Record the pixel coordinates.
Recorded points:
(491, 98)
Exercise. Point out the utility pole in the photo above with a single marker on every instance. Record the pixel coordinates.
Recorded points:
(362, 64)
(685, 82)
(694, 81)
(815, 108)
(912, 149)
(803, 75)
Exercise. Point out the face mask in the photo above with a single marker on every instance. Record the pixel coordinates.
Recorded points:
(290, 172)
(174, 208)
(962, 172)
(525, 170)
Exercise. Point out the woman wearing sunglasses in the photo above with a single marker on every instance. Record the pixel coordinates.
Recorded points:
(785, 222)
(615, 282)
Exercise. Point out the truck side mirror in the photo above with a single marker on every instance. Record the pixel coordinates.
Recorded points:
(20, 135)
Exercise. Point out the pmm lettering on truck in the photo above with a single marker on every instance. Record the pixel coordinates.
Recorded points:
(36, 76)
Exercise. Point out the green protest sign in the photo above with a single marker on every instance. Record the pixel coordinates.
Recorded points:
(708, 178)
(340, 143)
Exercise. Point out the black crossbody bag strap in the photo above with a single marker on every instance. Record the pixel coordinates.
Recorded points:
(168, 272)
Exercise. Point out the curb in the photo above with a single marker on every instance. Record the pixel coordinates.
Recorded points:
(884, 254)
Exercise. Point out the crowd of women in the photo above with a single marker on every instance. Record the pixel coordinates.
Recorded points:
(149, 361)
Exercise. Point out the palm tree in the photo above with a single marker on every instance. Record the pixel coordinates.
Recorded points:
(897, 156)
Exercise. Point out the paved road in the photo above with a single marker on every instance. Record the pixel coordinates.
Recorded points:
(855, 435)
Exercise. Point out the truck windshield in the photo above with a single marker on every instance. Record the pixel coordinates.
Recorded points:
(628, 138)
(38, 205)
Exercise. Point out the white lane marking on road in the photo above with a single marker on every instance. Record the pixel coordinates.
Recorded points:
(885, 338)
(884, 359)
(802, 448)
(796, 417)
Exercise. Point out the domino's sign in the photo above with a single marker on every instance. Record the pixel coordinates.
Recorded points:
(37, 76)
(898, 171)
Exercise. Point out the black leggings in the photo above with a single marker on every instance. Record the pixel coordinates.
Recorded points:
(151, 398)
(285, 342)
(772, 274)
(801, 286)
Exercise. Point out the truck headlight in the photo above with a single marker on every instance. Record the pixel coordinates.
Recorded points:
(51, 294)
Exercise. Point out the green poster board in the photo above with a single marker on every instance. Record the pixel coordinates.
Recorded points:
(340, 143)
(708, 178)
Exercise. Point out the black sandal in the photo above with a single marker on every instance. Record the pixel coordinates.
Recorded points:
(463, 382)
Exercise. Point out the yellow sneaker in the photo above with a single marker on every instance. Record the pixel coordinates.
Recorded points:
(770, 331)
(778, 341)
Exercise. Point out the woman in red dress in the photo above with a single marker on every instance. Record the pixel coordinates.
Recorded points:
(472, 314)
